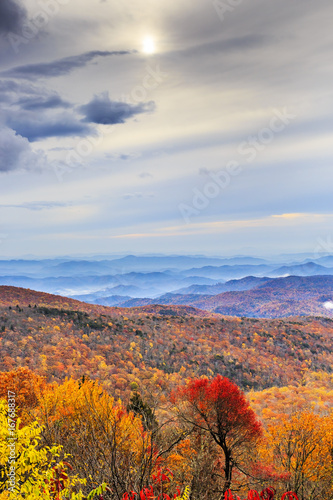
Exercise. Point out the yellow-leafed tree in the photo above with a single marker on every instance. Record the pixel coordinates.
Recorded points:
(30, 471)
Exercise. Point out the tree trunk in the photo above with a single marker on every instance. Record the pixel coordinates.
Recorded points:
(227, 469)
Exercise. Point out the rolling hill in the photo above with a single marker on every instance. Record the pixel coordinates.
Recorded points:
(157, 346)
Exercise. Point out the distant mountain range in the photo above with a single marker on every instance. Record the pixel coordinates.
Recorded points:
(69, 267)
(240, 286)
(270, 298)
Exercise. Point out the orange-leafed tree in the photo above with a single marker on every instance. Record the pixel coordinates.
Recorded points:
(25, 386)
(301, 445)
(218, 407)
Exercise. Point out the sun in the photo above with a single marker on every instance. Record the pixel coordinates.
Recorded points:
(148, 45)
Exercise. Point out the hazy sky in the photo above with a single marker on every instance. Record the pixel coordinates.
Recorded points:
(188, 126)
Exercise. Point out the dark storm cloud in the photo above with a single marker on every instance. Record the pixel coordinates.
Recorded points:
(12, 16)
(59, 67)
(102, 110)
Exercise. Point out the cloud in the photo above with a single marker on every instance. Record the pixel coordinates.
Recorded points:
(103, 111)
(122, 156)
(328, 305)
(59, 67)
(38, 205)
(240, 43)
(290, 216)
(47, 102)
(145, 175)
(138, 196)
(35, 112)
(12, 16)
(31, 97)
(8, 86)
(16, 153)
(35, 126)
(10, 89)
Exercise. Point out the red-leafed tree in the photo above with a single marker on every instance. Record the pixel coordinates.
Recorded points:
(220, 408)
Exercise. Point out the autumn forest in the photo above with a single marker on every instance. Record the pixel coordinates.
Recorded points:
(162, 402)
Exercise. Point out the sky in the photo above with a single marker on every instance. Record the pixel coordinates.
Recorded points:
(164, 126)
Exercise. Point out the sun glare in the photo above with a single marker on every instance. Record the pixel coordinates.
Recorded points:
(148, 45)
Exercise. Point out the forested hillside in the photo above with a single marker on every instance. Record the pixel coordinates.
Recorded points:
(60, 337)
(127, 403)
